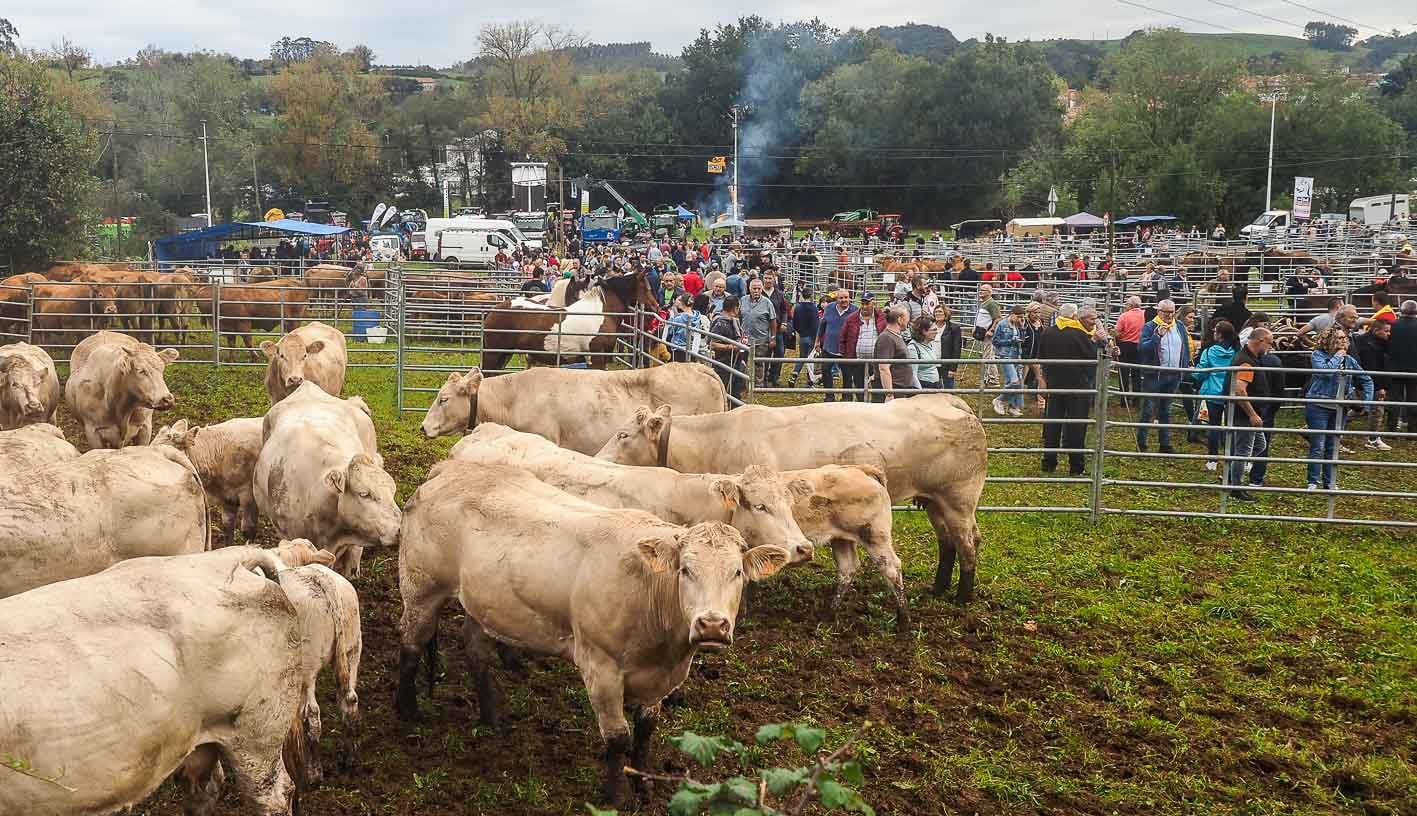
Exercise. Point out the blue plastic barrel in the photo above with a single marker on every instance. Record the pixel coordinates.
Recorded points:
(364, 320)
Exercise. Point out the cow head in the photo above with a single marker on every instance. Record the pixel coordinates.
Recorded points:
(21, 387)
(103, 299)
(710, 564)
(299, 552)
(179, 435)
(287, 359)
(144, 367)
(641, 441)
(366, 501)
(452, 410)
(760, 506)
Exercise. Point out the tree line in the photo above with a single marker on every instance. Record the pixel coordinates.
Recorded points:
(905, 119)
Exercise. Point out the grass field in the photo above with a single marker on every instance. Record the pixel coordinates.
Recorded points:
(1143, 666)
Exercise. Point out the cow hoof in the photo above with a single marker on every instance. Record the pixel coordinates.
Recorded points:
(902, 625)
(940, 589)
(965, 593)
(406, 705)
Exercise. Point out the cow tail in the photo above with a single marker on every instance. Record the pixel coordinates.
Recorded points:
(348, 645)
(295, 750)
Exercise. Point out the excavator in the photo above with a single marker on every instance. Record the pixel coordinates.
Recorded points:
(631, 224)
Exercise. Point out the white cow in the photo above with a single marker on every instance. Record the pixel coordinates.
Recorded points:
(29, 387)
(115, 384)
(25, 449)
(314, 352)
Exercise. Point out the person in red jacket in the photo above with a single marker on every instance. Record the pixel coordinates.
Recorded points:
(858, 340)
(693, 281)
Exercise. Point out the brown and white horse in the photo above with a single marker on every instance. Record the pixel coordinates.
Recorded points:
(589, 325)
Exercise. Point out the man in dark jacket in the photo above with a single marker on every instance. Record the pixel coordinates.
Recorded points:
(1402, 357)
(1371, 349)
(829, 344)
(1069, 338)
(805, 320)
(772, 292)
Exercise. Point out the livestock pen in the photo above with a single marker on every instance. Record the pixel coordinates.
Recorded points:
(1170, 663)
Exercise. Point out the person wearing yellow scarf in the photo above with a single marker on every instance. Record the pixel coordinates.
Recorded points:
(1163, 346)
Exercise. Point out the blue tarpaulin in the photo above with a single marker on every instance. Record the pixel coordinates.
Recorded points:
(684, 215)
(204, 243)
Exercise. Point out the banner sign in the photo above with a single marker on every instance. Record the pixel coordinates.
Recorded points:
(1303, 196)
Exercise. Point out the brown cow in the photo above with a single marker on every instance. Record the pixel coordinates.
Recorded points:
(326, 280)
(65, 313)
(176, 293)
(14, 297)
(261, 306)
(133, 294)
(549, 335)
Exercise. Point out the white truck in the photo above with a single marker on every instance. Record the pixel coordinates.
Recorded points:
(1374, 211)
(470, 246)
(1272, 223)
(504, 226)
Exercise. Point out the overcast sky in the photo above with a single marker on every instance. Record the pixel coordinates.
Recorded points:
(441, 32)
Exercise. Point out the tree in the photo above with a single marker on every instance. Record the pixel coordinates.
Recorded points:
(287, 51)
(45, 163)
(1330, 36)
(70, 56)
(530, 79)
(9, 37)
(363, 57)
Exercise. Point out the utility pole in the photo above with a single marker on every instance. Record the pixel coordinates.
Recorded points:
(255, 183)
(206, 172)
(1273, 99)
(113, 146)
(734, 111)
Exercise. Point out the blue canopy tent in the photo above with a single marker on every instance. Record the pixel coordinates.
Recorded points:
(1135, 220)
(204, 243)
(684, 215)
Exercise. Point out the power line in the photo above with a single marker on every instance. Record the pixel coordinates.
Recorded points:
(1180, 16)
(1256, 13)
(1334, 16)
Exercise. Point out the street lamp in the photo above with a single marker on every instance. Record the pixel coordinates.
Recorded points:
(1273, 99)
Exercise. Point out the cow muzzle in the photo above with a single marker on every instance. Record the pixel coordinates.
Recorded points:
(712, 632)
(294, 381)
(33, 409)
(164, 402)
(110, 310)
(803, 552)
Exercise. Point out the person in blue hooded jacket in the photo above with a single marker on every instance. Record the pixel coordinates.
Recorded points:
(1212, 382)
(1163, 343)
(1331, 355)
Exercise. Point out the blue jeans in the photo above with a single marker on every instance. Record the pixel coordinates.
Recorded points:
(1013, 379)
(1216, 422)
(779, 349)
(1261, 467)
(1160, 407)
(1246, 442)
(1321, 445)
(804, 348)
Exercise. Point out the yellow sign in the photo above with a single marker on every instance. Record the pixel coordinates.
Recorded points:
(274, 214)
(717, 164)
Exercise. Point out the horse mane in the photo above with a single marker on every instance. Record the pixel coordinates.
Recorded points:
(621, 286)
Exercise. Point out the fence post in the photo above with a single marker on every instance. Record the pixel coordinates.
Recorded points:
(1338, 416)
(399, 353)
(749, 390)
(1229, 448)
(1099, 445)
(216, 318)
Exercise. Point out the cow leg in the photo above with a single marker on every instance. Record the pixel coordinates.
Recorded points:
(347, 561)
(200, 778)
(314, 772)
(228, 524)
(848, 563)
(91, 435)
(646, 718)
(480, 655)
(417, 627)
(884, 557)
(259, 769)
(940, 521)
(248, 511)
(959, 525)
(605, 686)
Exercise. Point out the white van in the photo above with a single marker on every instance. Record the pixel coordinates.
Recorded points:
(385, 247)
(507, 228)
(1374, 211)
(478, 247)
(1272, 222)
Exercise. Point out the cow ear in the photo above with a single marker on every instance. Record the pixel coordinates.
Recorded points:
(269, 349)
(658, 554)
(315, 347)
(799, 488)
(454, 378)
(472, 380)
(7, 362)
(641, 414)
(763, 561)
(169, 355)
(324, 558)
(659, 420)
(728, 491)
(335, 479)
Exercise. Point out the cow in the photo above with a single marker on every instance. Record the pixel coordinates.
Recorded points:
(587, 328)
(14, 302)
(758, 502)
(314, 352)
(33, 446)
(65, 271)
(115, 384)
(79, 516)
(176, 294)
(328, 608)
(29, 386)
(185, 664)
(930, 447)
(224, 456)
(319, 476)
(625, 596)
(576, 409)
(65, 313)
(326, 280)
(276, 304)
(133, 294)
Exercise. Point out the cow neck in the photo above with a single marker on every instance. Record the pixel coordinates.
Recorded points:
(472, 412)
(662, 455)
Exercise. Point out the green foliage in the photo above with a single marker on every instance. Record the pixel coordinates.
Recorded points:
(48, 150)
(705, 750)
(1330, 36)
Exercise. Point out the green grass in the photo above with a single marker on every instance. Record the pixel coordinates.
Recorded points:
(1157, 666)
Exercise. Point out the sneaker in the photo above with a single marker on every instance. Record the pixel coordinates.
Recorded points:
(1378, 445)
(1015, 412)
(1342, 448)
(999, 408)
(1313, 486)
(1249, 466)
(1211, 464)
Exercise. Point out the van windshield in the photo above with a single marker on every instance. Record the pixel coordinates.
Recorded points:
(1264, 220)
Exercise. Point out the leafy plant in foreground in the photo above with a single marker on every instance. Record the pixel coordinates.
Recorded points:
(831, 779)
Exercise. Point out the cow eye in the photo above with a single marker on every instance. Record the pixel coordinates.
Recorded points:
(738, 576)
(442, 400)
(760, 508)
(363, 494)
(623, 435)
(684, 571)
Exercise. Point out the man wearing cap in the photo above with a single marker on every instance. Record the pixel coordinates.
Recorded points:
(760, 319)
(829, 345)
